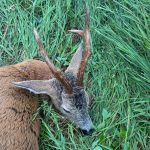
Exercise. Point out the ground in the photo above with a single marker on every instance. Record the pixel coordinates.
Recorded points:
(117, 75)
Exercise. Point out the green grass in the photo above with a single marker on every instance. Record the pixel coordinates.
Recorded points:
(117, 75)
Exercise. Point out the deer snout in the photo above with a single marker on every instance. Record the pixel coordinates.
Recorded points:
(87, 132)
(87, 127)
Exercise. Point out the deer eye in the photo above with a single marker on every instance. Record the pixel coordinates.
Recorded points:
(67, 111)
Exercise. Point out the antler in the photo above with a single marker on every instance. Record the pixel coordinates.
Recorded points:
(86, 38)
(57, 74)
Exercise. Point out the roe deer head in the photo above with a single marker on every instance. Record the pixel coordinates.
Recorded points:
(66, 89)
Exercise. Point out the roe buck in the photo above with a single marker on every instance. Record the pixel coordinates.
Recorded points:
(17, 130)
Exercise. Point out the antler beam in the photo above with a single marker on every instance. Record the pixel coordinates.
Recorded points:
(86, 38)
(57, 74)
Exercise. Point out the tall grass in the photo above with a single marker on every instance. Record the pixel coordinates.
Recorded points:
(117, 76)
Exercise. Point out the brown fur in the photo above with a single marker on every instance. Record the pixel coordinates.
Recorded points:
(17, 130)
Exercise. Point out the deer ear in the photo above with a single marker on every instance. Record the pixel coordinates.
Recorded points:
(37, 86)
(75, 61)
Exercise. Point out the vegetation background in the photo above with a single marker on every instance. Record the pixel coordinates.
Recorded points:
(117, 75)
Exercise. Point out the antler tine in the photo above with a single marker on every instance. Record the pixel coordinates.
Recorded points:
(43, 52)
(86, 38)
(57, 74)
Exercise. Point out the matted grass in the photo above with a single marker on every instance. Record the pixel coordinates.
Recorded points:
(117, 75)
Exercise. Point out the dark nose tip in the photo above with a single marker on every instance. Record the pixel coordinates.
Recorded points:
(85, 132)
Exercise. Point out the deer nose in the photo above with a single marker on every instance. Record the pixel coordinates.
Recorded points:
(86, 132)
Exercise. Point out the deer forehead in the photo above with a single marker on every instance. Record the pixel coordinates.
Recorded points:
(77, 100)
